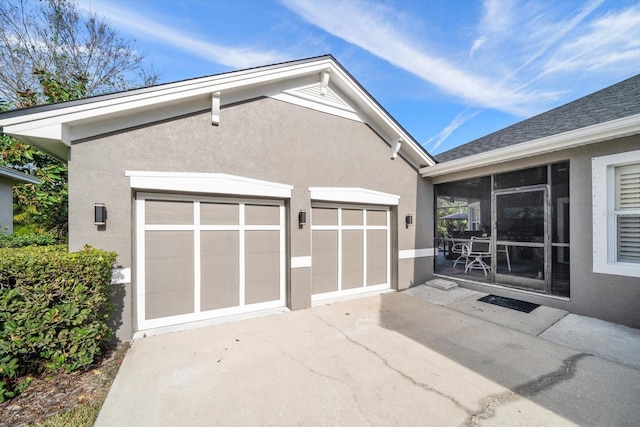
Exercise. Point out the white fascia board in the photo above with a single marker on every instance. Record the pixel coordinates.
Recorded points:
(353, 195)
(15, 175)
(613, 129)
(52, 132)
(212, 183)
(167, 93)
(367, 104)
(182, 91)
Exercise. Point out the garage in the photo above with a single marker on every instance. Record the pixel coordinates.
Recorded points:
(350, 250)
(205, 257)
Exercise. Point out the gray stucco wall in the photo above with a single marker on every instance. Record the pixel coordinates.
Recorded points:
(6, 205)
(262, 139)
(610, 297)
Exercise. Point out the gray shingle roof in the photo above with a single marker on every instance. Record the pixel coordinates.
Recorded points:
(614, 102)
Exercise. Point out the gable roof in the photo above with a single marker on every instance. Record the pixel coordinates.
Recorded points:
(320, 83)
(609, 113)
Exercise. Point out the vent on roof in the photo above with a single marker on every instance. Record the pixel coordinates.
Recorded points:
(313, 93)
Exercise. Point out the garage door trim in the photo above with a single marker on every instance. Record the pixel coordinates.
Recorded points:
(196, 227)
(364, 227)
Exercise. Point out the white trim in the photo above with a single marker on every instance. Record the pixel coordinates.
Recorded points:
(57, 125)
(120, 276)
(587, 135)
(353, 195)
(212, 183)
(313, 104)
(416, 253)
(604, 233)
(300, 261)
(15, 175)
(364, 228)
(144, 333)
(348, 292)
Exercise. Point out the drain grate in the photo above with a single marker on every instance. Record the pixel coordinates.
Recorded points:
(513, 304)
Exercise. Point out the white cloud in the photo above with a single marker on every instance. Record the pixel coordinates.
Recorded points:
(371, 27)
(234, 57)
(477, 44)
(458, 121)
(613, 39)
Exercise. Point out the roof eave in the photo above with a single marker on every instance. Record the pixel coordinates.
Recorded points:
(14, 175)
(50, 125)
(613, 129)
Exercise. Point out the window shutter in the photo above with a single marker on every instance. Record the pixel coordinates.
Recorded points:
(627, 201)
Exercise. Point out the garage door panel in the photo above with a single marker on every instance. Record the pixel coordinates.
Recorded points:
(262, 215)
(168, 212)
(262, 266)
(203, 257)
(352, 217)
(376, 218)
(350, 249)
(352, 258)
(169, 273)
(220, 269)
(376, 257)
(324, 216)
(324, 270)
(219, 214)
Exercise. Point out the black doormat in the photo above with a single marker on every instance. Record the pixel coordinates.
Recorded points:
(513, 304)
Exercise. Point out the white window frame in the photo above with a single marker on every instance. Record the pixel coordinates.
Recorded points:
(605, 217)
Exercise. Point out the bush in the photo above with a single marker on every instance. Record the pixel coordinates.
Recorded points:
(54, 308)
(30, 239)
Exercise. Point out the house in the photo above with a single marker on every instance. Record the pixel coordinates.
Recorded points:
(560, 196)
(288, 185)
(8, 177)
(258, 189)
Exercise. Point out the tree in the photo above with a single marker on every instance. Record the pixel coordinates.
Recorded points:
(52, 36)
(52, 53)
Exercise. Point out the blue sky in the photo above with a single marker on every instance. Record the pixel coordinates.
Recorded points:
(448, 71)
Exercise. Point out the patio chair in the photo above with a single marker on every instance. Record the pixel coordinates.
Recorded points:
(475, 252)
(458, 249)
(505, 249)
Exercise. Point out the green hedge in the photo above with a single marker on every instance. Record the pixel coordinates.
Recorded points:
(54, 308)
(30, 239)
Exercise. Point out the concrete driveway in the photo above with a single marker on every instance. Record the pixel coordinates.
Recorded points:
(391, 359)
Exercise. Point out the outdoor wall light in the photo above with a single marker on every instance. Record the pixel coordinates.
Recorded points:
(408, 220)
(302, 218)
(100, 214)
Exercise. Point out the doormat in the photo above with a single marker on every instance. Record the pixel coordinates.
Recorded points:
(513, 304)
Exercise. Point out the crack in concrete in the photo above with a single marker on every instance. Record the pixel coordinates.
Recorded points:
(407, 377)
(316, 372)
(490, 404)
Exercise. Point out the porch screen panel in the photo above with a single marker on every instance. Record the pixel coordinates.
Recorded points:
(169, 273)
(220, 269)
(627, 212)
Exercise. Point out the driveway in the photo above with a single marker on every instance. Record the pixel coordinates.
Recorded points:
(391, 359)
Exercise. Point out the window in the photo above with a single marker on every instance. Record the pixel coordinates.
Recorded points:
(616, 214)
(627, 213)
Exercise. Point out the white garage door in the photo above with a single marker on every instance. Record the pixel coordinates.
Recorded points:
(350, 250)
(200, 258)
